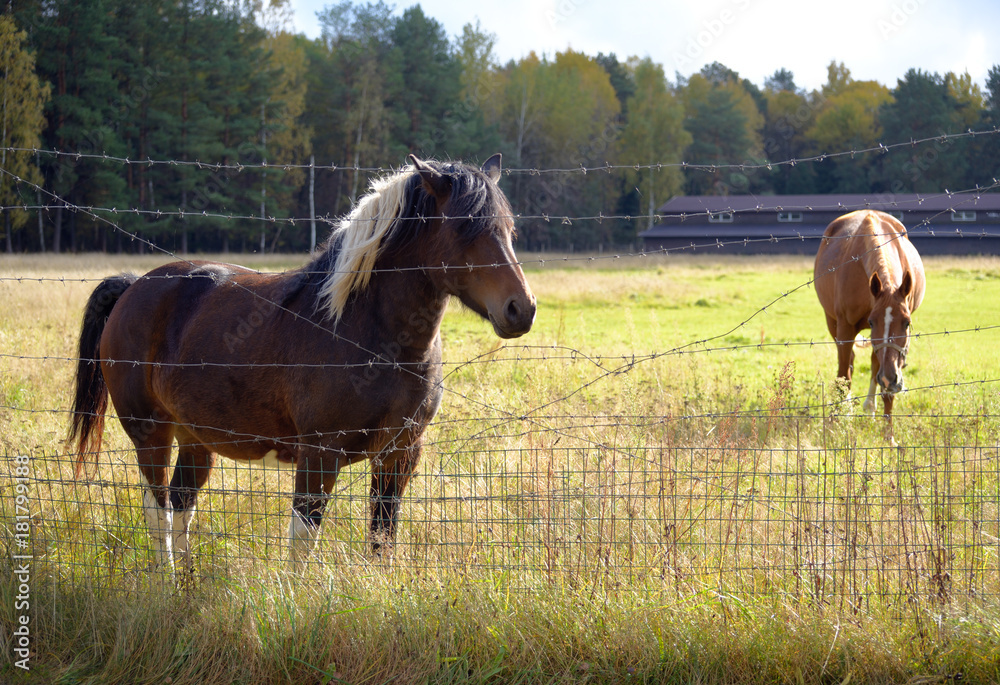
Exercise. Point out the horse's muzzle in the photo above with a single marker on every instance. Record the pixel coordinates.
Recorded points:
(890, 386)
(516, 317)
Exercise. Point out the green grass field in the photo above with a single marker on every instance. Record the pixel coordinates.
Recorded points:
(660, 483)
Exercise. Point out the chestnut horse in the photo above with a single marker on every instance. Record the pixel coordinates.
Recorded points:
(319, 367)
(869, 275)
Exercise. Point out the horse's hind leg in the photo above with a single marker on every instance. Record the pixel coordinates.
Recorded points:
(194, 466)
(153, 439)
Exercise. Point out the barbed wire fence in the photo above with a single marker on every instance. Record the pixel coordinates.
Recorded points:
(698, 501)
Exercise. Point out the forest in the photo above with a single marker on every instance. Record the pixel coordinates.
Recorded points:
(208, 125)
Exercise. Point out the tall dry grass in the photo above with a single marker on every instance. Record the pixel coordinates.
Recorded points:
(587, 508)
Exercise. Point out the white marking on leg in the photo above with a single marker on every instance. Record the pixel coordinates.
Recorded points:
(181, 527)
(869, 405)
(159, 520)
(301, 541)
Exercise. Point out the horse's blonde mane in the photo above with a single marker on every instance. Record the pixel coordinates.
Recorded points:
(358, 239)
(875, 258)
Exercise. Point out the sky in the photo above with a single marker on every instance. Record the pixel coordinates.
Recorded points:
(875, 39)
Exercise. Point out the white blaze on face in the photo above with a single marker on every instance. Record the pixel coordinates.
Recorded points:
(508, 249)
(885, 340)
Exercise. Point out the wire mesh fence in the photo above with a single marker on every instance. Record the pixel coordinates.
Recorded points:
(798, 497)
(839, 524)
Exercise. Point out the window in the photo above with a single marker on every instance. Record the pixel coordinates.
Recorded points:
(789, 217)
(964, 215)
(720, 218)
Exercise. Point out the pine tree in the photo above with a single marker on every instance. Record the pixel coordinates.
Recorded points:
(75, 53)
(22, 97)
(987, 148)
(429, 85)
(922, 107)
(470, 136)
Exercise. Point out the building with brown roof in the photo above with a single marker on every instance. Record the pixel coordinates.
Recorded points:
(945, 223)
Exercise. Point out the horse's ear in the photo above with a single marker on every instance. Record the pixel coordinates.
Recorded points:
(906, 285)
(436, 183)
(491, 167)
(875, 284)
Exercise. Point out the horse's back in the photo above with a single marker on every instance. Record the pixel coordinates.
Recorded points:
(840, 275)
(840, 234)
(155, 309)
(834, 260)
(849, 237)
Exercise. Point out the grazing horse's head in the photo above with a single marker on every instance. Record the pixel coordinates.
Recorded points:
(469, 249)
(890, 324)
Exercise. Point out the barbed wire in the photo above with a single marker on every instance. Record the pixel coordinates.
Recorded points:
(374, 355)
(582, 169)
(541, 261)
(624, 479)
(566, 353)
(809, 411)
(875, 201)
(455, 446)
(624, 367)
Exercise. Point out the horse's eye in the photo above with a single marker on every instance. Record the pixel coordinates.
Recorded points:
(906, 324)
(871, 324)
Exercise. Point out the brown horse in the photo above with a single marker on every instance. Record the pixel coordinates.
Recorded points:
(319, 367)
(869, 275)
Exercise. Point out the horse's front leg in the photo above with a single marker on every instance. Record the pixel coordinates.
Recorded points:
(844, 338)
(873, 385)
(390, 477)
(887, 401)
(315, 476)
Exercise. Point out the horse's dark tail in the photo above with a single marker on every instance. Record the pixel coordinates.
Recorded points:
(91, 392)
